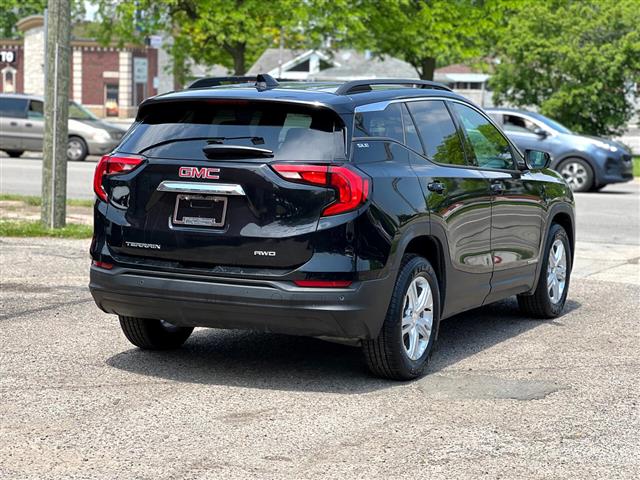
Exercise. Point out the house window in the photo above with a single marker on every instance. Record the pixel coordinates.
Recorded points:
(467, 85)
(301, 67)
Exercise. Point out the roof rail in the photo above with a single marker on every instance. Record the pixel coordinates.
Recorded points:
(217, 81)
(262, 81)
(360, 86)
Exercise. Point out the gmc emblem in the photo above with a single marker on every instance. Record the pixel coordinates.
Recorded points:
(195, 172)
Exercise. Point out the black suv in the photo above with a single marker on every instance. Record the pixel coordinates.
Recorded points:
(367, 211)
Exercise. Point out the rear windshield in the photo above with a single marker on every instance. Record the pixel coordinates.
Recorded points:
(292, 132)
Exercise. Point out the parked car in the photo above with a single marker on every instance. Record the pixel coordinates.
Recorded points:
(366, 211)
(22, 128)
(586, 163)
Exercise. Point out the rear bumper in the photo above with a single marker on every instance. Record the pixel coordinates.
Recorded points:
(270, 306)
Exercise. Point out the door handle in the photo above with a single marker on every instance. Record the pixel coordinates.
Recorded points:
(13, 124)
(28, 124)
(497, 188)
(436, 187)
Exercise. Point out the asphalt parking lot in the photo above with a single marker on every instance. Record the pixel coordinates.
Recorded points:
(506, 397)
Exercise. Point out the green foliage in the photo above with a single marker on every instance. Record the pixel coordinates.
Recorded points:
(575, 60)
(11, 11)
(223, 32)
(429, 32)
(23, 228)
(14, 10)
(34, 201)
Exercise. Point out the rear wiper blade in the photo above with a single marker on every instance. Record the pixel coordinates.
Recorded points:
(254, 140)
(216, 150)
(211, 140)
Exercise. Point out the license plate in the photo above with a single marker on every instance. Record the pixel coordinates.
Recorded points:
(200, 210)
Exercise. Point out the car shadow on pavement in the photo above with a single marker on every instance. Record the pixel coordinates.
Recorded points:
(282, 362)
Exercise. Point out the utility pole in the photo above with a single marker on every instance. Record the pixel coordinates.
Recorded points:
(56, 113)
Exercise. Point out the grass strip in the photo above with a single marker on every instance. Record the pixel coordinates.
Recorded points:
(37, 201)
(24, 228)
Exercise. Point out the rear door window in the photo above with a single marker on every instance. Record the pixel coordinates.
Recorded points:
(292, 132)
(439, 135)
(13, 107)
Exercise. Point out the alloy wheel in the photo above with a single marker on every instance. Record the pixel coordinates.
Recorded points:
(575, 174)
(556, 271)
(75, 149)
(417, 318)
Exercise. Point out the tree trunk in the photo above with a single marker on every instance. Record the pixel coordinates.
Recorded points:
(56, 114)
(237, 52)
(427, 68)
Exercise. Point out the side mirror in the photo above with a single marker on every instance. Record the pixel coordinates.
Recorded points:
(541, 132)
(535, 159)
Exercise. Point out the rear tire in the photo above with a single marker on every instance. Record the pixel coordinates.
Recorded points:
(542, 304)
(14, 153)
(391, 355)
(577, 173)
(150, 334)
(77, 150)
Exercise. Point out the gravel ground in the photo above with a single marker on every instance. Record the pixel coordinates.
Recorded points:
(506, 397)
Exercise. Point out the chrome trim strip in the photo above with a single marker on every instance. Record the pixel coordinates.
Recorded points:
(199, 187)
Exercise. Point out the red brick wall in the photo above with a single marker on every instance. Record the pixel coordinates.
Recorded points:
(94, 64)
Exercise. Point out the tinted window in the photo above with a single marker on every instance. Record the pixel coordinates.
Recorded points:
(13, 107)
(516, 123)
(489, 146)
(384, 123)
(438, 132)
(36, 109)
(410, 132)
(292, 132)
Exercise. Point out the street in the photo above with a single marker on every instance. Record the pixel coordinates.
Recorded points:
(611, 215)
(505, 397)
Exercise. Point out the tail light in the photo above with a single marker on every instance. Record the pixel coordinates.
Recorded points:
(111, 165)
(104, 265)
(352, 188)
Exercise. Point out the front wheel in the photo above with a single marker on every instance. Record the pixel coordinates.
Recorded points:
(150, 334)
(405, 343)
(550, 294)
(578, 174)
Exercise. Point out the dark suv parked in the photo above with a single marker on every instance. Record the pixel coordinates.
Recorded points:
(368, 211)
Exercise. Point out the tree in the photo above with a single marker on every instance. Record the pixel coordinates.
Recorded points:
(425, 33)
(222, 32)
(578, 61)
(14, 10)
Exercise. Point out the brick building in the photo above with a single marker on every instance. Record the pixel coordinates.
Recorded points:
(110, 81)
